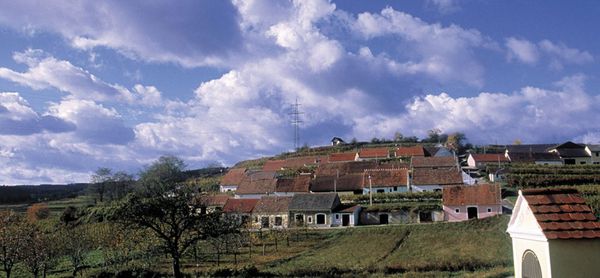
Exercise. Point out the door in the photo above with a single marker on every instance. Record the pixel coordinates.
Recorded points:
(345, 219)
(530, 266)
(472, 212)
(383, 219)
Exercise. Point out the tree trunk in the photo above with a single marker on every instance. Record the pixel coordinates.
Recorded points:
(264, 248)
(176, 267)
(287, 240)
(7, 272)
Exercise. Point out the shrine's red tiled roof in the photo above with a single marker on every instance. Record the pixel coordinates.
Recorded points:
(562, 213)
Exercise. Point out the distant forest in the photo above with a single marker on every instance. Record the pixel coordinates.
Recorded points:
(39, 193)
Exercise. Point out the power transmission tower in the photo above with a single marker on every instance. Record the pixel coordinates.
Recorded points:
(296, 123)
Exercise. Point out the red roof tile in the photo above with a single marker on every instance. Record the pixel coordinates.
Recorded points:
(273, 165)
(299, 162)
(239, 205)
(562, 213)
(342, 157)
(490, 157)
(233, 176)
(409, 151)
(295, 184)
(441, 176)
(484, 194)
(374, 153)
(257, 183)
(430, 162)
(272, 204)
(385, 177)
(213, 200)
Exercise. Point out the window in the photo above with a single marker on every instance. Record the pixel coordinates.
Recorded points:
(309, 219)
(582, 162)
(320, 219)
(530, 265)
(489, 210)
(299, 219)
(264, 222)
(278, 221)
(597, 153)
(380, 190)
(457, 210)
(395, 188)
(337, 216)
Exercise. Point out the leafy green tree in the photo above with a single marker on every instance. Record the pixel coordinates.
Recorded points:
(11, 240)
(166, 207)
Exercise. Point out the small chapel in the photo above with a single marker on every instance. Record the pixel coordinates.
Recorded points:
(554, 234)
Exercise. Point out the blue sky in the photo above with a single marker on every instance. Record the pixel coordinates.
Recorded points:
(118, 83)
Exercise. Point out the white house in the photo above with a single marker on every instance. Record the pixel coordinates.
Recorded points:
(471, 202)
(232, 179)
(554, 234)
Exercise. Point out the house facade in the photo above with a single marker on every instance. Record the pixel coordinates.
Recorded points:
(240, 209)
(572, 154)
(434, 179)
(481, 161)
(554, 234)
(462, 203)
(232, 179)
(346, 216)
(385, 181)
(594, 152)
(313, 209)
(271, 212)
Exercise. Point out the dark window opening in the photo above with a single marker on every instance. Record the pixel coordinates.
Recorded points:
(345, 220)
(489, 210)
(299, 219)
(380, 190)
(278, 221)
(264, 222)
(320, 219)
(383, 219)
(425, 216)
(472, 212)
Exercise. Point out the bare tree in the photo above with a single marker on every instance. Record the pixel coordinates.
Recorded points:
(11, 240)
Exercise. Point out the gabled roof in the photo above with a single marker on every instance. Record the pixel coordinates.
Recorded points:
(440, 176)
(594, 148)
(342, 157)
(429, 162)
(299, 162)
(566, 153)
(295, 184)
(374, 153)
(568, 145)
(314, 201)
(344, 168)
(349, 182)
(272, 204)
(234, 176)
(213, 200)
(409, 151)
(239, 205)
(562, 213)
(257, 183)
(273, 165)
(484, 194)
(532, 157)
(529, 148)
(385, 177)
(489, 157)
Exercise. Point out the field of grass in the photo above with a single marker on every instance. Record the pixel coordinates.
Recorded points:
(478, 247)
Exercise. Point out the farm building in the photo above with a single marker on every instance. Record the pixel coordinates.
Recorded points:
(313, 209)
(342, 157)
(373, 154)
(240, 209)
(346, 216)
(572, 153)
(271, 212)
(232, 179)
(554, 234)
(481, 161)
(255, 185)
(432, 179)
(409, 151)
(385, 180)
(471, 202)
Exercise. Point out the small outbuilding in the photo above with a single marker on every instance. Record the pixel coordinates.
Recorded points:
(554, 234)
(471, 202)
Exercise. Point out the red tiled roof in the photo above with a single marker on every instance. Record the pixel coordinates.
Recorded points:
(350, 182)
(490, 157)
(484, 194)
(440, 176)
(273, 165)
(272, 204)
(410, 151)
(239, 205)
(295, 184)
(562, 213)
(299, 162)
(344, 168)
(342, 157)
(429, 162)
(257, 183)
(214, 200)
(385, 177)
(233, 176)
(374, 153)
